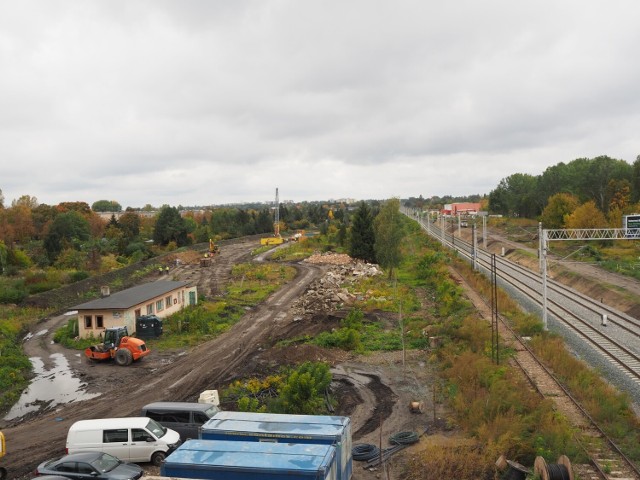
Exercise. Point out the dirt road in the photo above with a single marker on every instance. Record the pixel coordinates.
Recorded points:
(365, 390)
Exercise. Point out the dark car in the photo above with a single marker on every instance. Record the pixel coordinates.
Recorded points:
(90, 465)
(50, 477)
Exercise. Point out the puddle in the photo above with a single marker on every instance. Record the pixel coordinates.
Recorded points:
(49, 388)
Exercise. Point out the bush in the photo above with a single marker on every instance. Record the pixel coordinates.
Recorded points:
(19, 258)
(77, 276)
(13, 292)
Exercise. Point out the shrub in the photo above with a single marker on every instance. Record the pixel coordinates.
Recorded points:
(78, 275)
(13, 292)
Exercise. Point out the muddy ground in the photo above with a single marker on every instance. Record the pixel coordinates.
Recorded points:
(374, 391)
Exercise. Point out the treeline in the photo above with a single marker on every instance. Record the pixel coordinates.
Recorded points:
(607, 182)
(46, 246)
(596, 191)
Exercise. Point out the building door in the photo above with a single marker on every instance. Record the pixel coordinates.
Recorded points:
(137, 312)
(192, 298)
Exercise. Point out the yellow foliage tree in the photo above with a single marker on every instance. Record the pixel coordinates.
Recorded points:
(587, 215)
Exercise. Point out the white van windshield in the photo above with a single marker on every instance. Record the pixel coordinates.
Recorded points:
(155, 428)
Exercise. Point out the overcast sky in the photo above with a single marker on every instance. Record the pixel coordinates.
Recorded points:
(210, 102)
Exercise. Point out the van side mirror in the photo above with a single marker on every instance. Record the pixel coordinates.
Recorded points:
(151, 439)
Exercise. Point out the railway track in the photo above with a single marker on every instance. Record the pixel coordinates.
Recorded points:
(608, 332)
(608, 462)
(615, 339)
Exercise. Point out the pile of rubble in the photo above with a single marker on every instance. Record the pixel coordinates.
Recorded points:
(327, 294)
(330, 258)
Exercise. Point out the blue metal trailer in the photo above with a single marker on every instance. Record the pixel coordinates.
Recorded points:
(225, 460)
(272, 427)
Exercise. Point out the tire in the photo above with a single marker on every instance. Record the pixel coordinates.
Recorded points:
(124, 357)
(3, 473)
(158, 458)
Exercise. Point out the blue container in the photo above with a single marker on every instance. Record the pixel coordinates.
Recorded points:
(224, 460)
(272, 427)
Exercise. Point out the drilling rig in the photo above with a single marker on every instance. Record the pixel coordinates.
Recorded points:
(276, 239)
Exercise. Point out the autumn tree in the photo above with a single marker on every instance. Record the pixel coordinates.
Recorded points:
(80, 207)
(559, 206)
(619, 193)
(587, 215)
(26, 201)
(362, 236)
(388, 235)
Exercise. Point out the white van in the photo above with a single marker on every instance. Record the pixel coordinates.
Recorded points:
(131, 439)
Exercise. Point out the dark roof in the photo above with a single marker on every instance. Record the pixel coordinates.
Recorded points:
(132, 296)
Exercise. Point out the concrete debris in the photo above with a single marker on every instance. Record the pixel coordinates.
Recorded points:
(329, 293)
(330, 258)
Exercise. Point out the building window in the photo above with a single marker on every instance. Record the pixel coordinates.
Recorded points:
(159, 306)
(99, 321)
(87, 321)
(150, 309)
(167, 301)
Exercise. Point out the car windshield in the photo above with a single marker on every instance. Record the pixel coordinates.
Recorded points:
(210, 412)
(105, 463)
(155, 428)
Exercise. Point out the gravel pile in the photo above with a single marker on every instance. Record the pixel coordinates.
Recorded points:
(329, 258)
(328, 293)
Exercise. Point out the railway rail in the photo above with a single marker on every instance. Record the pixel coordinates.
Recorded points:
(610, 333)
(584, 316)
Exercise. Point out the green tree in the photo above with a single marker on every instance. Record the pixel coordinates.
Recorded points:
(559, 206)
(635, 181)
(264, 222)
(68, 229)
(129, 223)
(106, 206)
(304, 391)
(600, 172)
(388, 235)
(170, 227)
(516, 195)
(362, 238)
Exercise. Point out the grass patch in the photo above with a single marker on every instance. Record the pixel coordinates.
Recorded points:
(15, 367)
(250, 284)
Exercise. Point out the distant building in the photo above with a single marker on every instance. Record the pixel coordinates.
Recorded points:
(161, 298)
(455, 209)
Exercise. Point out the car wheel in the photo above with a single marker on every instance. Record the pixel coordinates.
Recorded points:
(3, 473)
(123, 357)
(158, 458)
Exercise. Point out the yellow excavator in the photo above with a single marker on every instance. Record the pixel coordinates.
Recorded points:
(3, 450)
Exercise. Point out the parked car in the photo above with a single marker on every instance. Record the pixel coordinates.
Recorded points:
(186, 418)
(50, 477)
(95, 465)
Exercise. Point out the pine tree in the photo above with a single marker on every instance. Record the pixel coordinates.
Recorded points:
(362, 235)
(170, 226)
